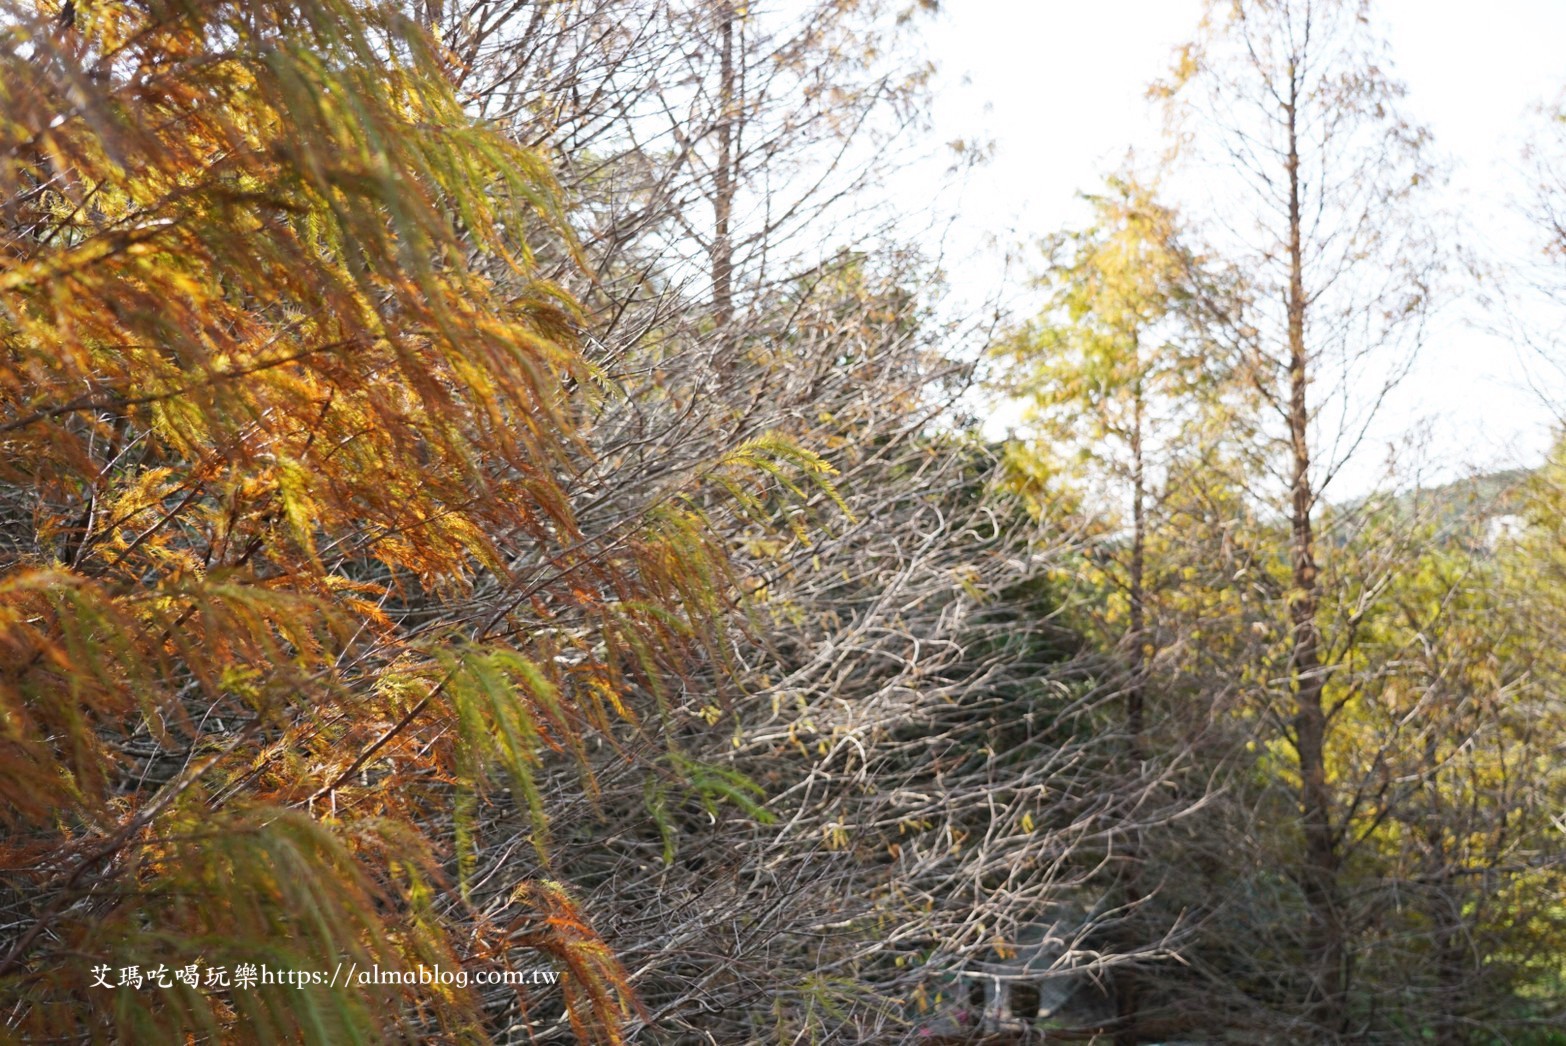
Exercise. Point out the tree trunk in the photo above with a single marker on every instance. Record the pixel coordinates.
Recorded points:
(1128, 991)
(1305, 669)
(1134, 697)
(725, 181)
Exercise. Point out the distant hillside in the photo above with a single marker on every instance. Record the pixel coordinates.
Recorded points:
(1475, 510)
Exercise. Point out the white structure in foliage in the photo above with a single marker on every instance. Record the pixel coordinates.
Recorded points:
(1032, 977)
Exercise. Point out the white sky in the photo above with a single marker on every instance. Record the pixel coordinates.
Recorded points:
(1058, 87)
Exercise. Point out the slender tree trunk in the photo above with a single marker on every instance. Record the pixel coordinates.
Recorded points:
(1305, 668)
(1134, 697)
(1128, 991)
(722, 251)
(1444, 897)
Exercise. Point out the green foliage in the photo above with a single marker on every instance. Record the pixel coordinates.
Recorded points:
(1109, 349)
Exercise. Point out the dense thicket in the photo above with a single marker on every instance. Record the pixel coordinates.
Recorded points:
(308, 559)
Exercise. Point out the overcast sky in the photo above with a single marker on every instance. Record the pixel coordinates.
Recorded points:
(1058, 87)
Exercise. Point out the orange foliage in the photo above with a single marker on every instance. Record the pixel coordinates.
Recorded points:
(289, 484)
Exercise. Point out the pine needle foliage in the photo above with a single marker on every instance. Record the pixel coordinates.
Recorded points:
(293, 428)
